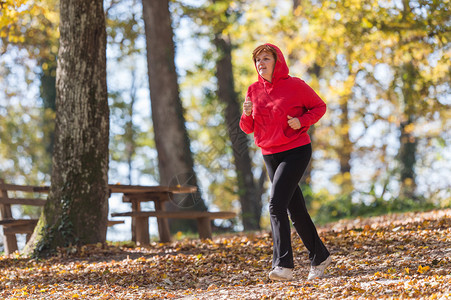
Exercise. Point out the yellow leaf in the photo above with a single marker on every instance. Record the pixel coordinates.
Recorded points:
(422, 269)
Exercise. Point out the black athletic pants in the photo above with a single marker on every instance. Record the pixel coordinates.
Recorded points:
(285, 170)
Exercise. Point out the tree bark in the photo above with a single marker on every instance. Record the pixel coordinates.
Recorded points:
(130, 135)
(175, 162)
(407, 159)
(48, 96)
(249, 193)
(345, 151)
(315, 72)
(77, 206)
(408, 142)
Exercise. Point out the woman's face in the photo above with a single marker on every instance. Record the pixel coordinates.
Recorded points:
(265, 64)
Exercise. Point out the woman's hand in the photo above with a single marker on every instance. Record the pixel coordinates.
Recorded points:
(247, 106)
(293, 122)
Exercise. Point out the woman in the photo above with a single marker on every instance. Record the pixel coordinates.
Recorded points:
(279, 109)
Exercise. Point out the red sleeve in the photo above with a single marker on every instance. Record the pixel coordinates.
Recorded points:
(315, 105)
(247, 123)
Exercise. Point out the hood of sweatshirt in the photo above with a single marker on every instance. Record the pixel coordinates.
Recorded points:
(281, 70)
(273, 102)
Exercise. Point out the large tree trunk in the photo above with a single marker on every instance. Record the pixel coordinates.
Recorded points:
(175, 162)
(249, 193)
(77, 206)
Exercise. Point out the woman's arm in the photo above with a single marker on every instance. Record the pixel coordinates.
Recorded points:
(315, 105)
(247, 120)
(247, 123)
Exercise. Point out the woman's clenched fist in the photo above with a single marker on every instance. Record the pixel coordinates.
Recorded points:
(247, 106)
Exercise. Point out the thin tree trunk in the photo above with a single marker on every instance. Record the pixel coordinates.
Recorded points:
(175, 162)
(306, 179)
(48, 96)
(408, 142)
(77, 206)
(129, 130)
(407, 159)
(249, 193)
(345, 151)
(314, 71)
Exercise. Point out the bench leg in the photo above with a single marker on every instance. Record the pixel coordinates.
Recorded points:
(10, 243)
(204, 228)
(163, 230)
(163, 225)
(135, 207)
(9, 240)
(142, 231)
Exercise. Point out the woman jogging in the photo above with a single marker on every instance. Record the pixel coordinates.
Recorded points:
(279, 109)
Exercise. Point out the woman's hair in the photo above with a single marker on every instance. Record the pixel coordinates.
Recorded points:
(263, 48)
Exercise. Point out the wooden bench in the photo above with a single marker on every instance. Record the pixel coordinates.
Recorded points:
(203, 220)
(12, 226)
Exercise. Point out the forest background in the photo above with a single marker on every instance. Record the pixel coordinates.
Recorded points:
(382, 67)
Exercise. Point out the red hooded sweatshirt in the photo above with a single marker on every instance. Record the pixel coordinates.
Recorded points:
(273, 101)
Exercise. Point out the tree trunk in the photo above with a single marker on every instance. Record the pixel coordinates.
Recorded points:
(77, 206)
(175, 162)
(407, 159)
(250, 197)
(408, 143)
(48, 96)
(315, 72)
(306, 179)
(345, 151)
(130, 136)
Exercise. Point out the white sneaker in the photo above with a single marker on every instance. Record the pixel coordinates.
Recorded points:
(318, 271)
(281, 273)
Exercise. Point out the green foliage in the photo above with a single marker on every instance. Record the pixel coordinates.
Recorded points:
(350, 52)
(131, 133)
(212, 148)
(21, 149)
(326, 208)
(28, 32)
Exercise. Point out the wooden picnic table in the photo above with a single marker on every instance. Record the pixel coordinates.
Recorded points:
(136, 194)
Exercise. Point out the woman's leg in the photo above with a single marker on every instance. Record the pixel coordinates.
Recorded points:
(285, 171)
(279, 222)
(306, 229)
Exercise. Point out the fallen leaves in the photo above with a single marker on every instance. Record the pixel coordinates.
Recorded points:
(396, 256)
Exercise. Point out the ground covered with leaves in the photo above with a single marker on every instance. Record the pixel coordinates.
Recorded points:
(396, 256)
